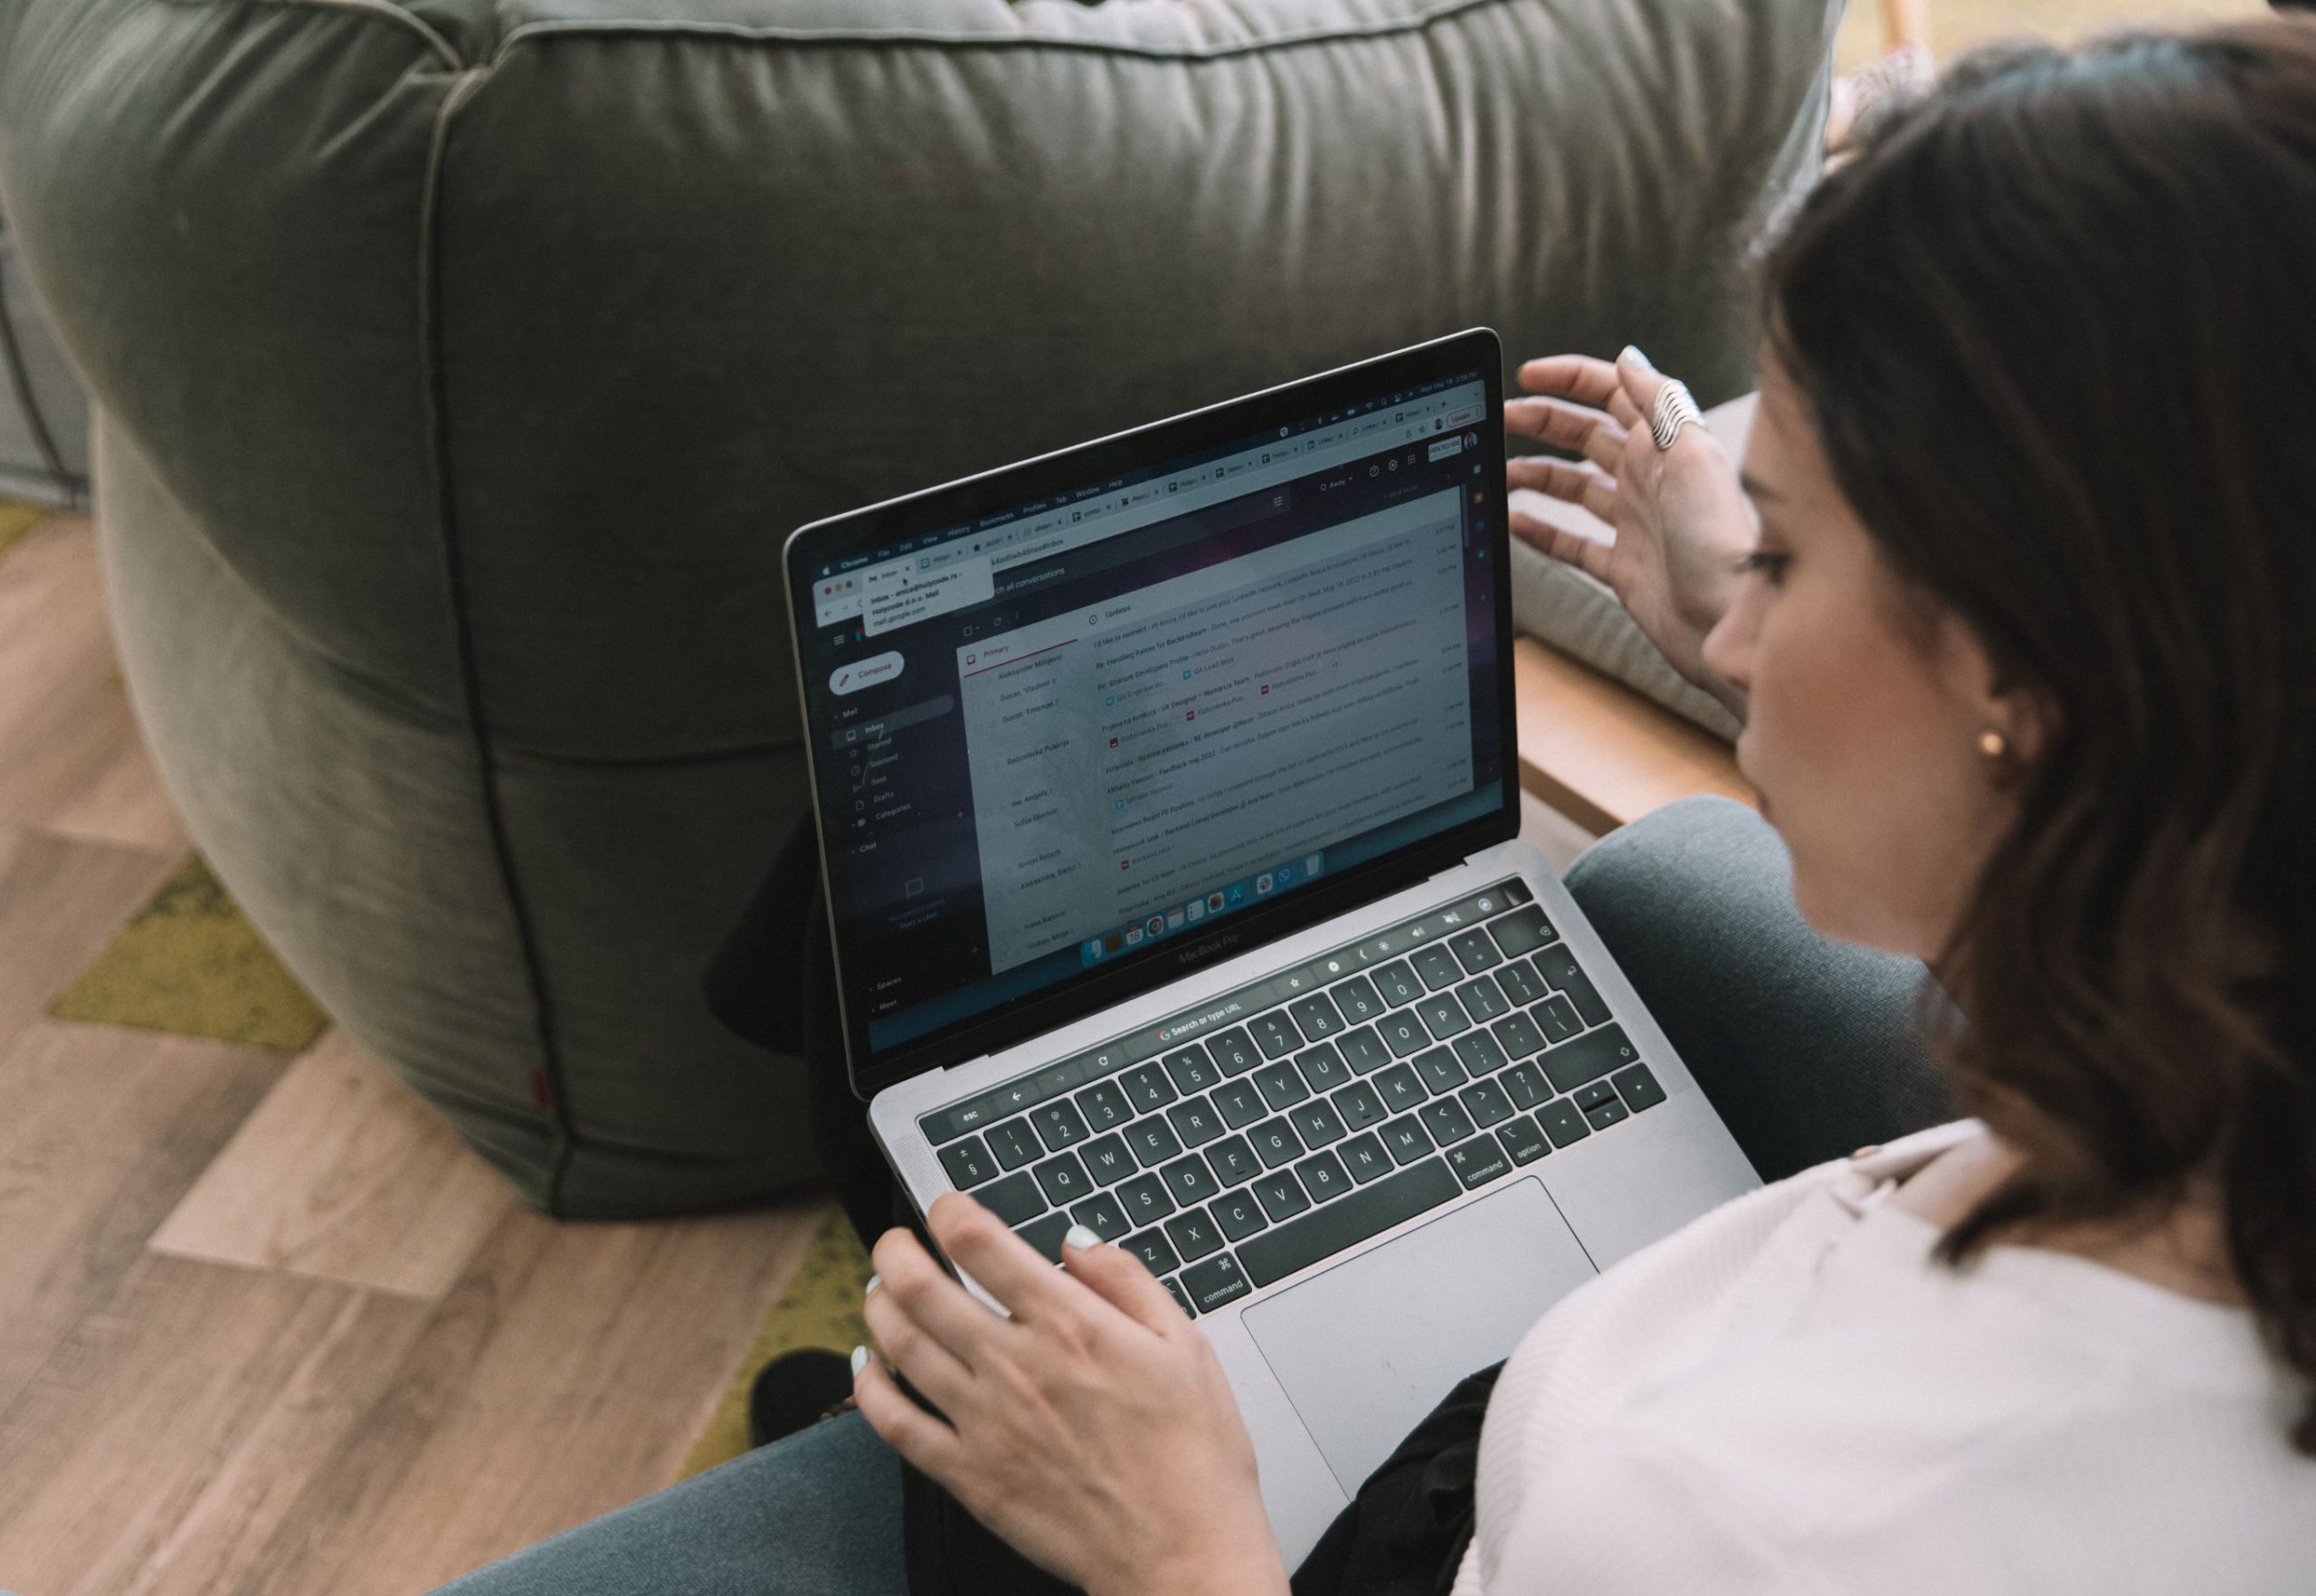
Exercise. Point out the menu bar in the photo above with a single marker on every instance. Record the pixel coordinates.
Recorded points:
(959, 564)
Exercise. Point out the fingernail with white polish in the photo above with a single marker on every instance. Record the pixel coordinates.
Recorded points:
(859, 1360)
(874, 1282)
(1632, 353)
(1080, 1238)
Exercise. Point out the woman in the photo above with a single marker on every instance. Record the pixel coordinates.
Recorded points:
(2018, 599)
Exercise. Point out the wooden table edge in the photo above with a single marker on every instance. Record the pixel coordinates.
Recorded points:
(1602, 755)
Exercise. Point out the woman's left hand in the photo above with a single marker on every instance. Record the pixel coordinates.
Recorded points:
(1093, 1428)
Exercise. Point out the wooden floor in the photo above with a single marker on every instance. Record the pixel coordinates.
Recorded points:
(265, 1326)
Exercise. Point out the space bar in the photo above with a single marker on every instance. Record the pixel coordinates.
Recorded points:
(1368, 1212)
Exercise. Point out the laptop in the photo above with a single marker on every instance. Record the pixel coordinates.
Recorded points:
(1168, 803)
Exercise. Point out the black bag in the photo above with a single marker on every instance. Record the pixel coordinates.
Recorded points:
(773, 983)
(1406, 1531)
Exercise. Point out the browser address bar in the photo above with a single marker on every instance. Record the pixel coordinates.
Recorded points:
(1108, 524)
(1037, 548)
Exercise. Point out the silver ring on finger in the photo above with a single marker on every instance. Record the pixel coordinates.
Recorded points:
(1676, 409)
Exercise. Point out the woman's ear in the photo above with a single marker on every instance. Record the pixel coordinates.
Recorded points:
(2030, 719)
(2020, 716)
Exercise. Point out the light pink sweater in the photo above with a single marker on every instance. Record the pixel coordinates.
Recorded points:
(1791, 1396)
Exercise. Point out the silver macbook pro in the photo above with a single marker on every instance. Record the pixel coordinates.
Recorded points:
(1168, 805)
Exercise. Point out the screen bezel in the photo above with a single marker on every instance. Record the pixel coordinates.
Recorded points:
(1143, 448)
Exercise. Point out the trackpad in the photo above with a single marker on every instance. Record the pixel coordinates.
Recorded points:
(1365, 1350)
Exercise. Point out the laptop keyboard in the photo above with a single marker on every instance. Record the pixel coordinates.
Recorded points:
(1373, 1084)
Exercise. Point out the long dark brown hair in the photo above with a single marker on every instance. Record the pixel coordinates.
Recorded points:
(2056, 327)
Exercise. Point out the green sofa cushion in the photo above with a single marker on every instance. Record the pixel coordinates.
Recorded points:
(463, 366)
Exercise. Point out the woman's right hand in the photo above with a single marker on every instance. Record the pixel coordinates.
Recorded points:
(1682, 520)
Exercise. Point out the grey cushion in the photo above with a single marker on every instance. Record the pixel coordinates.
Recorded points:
(460, 367)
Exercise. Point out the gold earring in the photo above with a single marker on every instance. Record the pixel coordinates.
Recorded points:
(1993, 744)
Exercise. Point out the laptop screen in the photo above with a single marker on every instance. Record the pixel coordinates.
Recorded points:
(1066, 735)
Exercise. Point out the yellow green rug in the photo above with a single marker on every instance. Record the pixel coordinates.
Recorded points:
(17, 518)
(190, 963)
(820, 1308)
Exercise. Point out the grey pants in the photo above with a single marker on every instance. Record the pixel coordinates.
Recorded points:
(1807, 1049)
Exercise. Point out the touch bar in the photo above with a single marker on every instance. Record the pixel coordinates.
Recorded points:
(946, 1124)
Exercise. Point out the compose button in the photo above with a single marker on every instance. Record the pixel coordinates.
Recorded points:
(852, 677)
